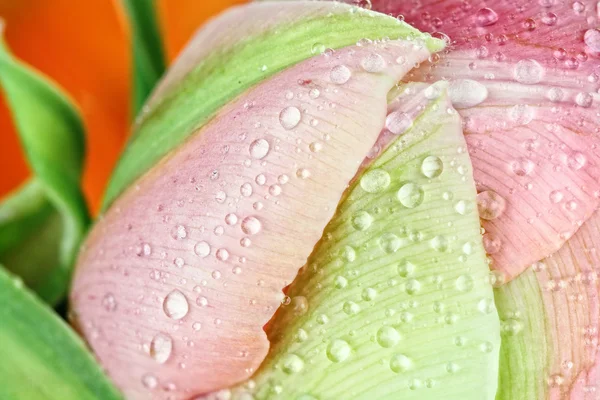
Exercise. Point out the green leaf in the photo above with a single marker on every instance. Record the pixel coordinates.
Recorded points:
(42, 358)
(395, 301)
(148, 54)
(238, 61)
(43, 223)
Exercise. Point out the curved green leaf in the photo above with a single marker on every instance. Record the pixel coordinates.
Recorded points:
(42, 225)
(42, 358)
(148, 54)
(242, 58)
(395, 301)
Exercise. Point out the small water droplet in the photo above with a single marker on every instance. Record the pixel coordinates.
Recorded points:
(109, 303)
(259, 148)
(369, 294)
(592, 40)
(375, 180)
(317, 48)
(373, 63)
(412, 286)
(292, 364)
(222, 254)
(149, 381)
(351, 308)
(490, 205)
(406, 268)
(556, 196)
(485, 306)
(491, 243)
(246, 189)
(528, 72)
(290, 117)
(260, 179)
(389, 243)
(410, 195)
(362, 220)
(202, 249)
(161, 347)
(400, 363)
(465, 283)
(275, 190)
(576, 160)
(432, 166)
(202, 301)
(486, 17)
(179, 232)
(340, 74)
(467, 93)
(439, 243)
(584, 99)
(315, 147)
(175, 305)
(398, 122)
(303, 173)
(464, 207)
(251, 225)
(387, 336)
(338, 350)
(522, 166)
(231, 219)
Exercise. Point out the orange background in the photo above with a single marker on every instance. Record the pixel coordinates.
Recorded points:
(84, 46)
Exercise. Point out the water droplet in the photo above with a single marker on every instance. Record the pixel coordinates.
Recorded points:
(491, 243)
(511, 327)
(202, 249)
(387, 336)
(555, 94)
(349, 254)
(486, 347)
(410, 195)
(314, 93)
(317, 48)
(260, 179)
(274, 190)
(179, 232)
(109, 303)
(584, 99)
(340, 74)
(486, 17)
(452, 367)
(528, 72)
(340, 282)
(179, 262)
(251, 225)
(222, 254)
(398, 122)
(439, 243)
(576, 160)
(432, 166)
(389, 243)
(303, 173)
(161, 347)
(412, 286)
(400, 363)
(362, 220)
(175, 305)
(231, 219)
(464, 283)
(292, 364)
(375, 181)
(490, 205)
(196, 326)
(246, 189)
(549, 18)
(556, 196)
(338, 350)
(369, 294)
(464, 207)
(466, 93)
(351, 308)
(485, 306)
(406, 268)
(259, 148)
(149, 381)
(522, 166)
(521, 114)
(315, 147)
(373, 63)
(290, 117)
(592, 39)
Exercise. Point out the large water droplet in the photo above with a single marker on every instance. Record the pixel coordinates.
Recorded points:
(175, 305)
(373, 63)
(202, 249)
(490, 205)
(406, 268)
(161, 347)
(292, 364)
(486, 17)
(439, 243)
(340, 74)
(362, 220)
(466, 93)
(528, 71)
(521, 114)
(432, 167)
(338, 350)
(351, 308)
(410, 195)
(290, 117)
(400, 363)
(464, 283)
(592, 39)
(375, 181)
(387, 336)
(259, 148)
(251, 225)
(412, 286)
(398, 122)
(389, 243)
(584, 99)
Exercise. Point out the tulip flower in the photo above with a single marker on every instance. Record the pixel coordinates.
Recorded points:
(325, 200)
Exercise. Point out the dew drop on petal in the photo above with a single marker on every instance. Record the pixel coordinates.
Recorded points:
(373, 63)
(387, 336)
(161, 347)
(464, 283)
(490, 205)
(398, 122)
(175, 305)
(292, 364)
(290, 117)
(432, 166)
(528, 72)
(259, 149)
(246, 189)
(584, 99)
(251, 225)
(466, 93)
(592, 40)
(410, 195)
(149, 381)
(340, 74)
(486, 17)
(338, 350)
(362, 220)
(400, 363)
(375, 181)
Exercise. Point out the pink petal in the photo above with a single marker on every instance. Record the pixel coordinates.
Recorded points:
(179, 277)
(526, 81)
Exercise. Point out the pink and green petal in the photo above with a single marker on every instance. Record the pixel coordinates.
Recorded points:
(180, 275)
(556, 301)
(395, 300)
(526, 81)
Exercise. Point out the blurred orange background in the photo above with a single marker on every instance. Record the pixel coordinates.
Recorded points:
(84, 46)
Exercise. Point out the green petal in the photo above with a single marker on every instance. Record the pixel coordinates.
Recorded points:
(395, 301)
(44, 222)
(42, 358)
(238, 61)
(148, 55)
